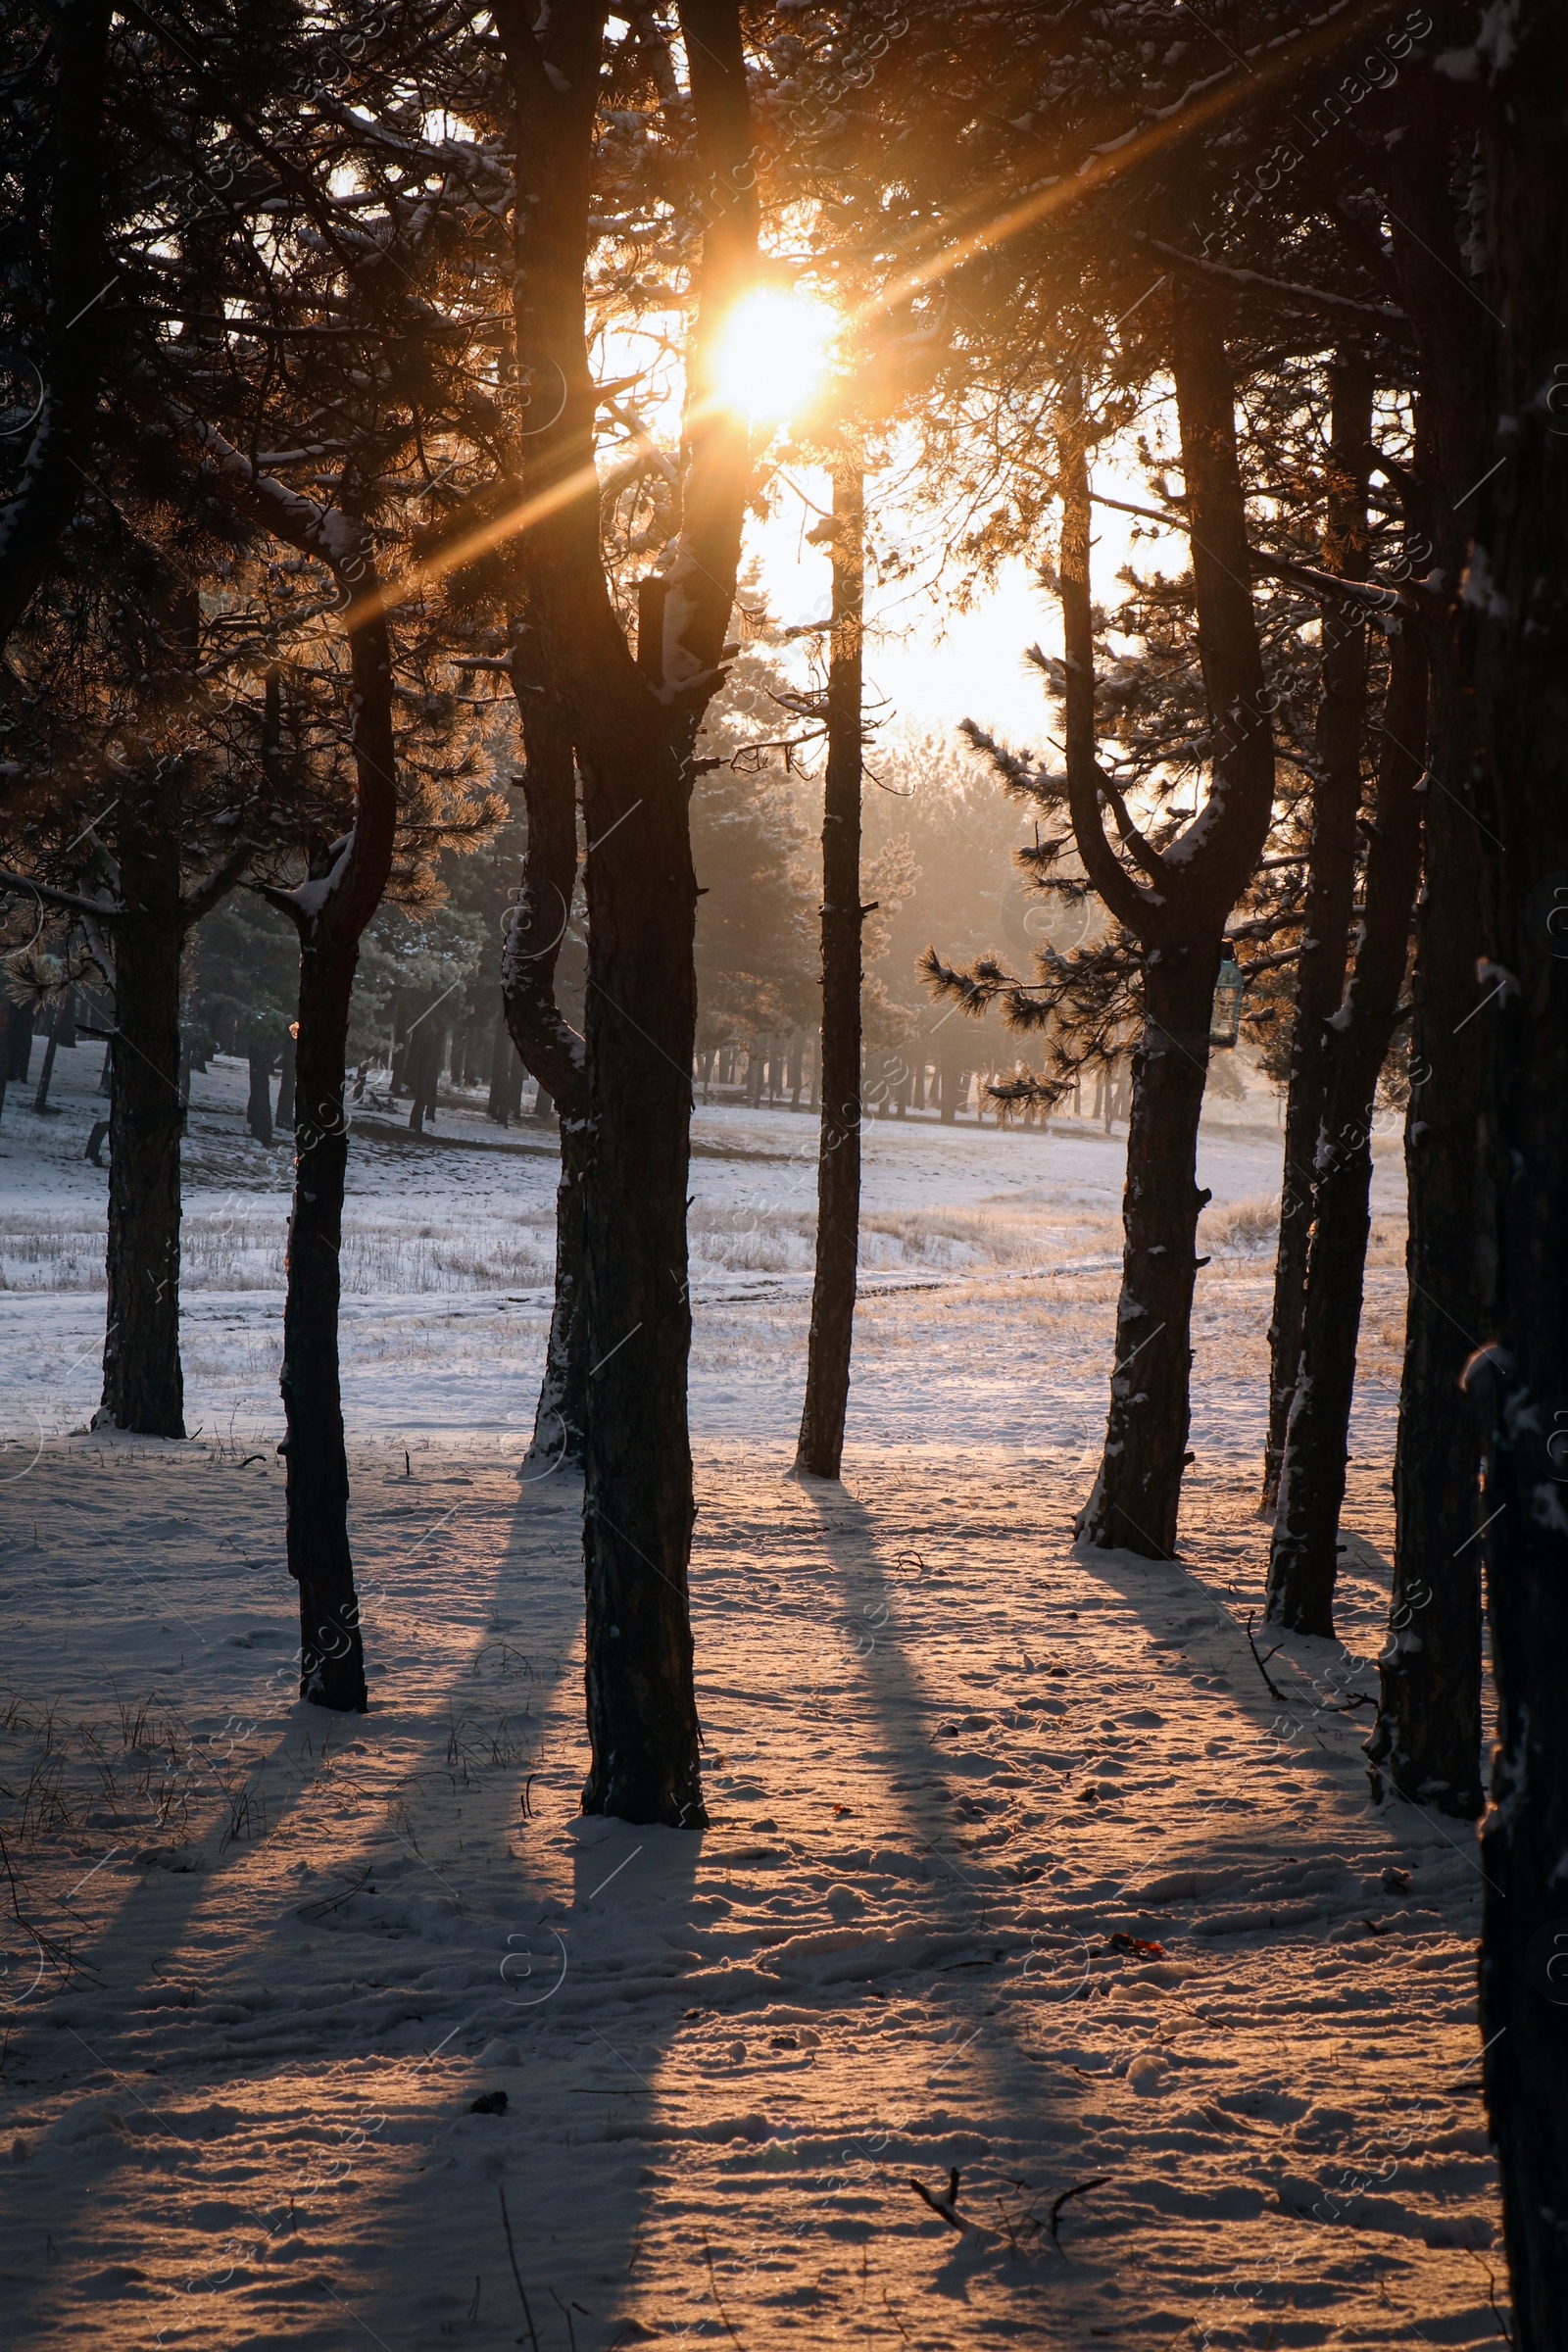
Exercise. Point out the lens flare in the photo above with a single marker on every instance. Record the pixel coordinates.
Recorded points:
(772, 351)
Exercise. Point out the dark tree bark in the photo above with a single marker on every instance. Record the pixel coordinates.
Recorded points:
(1136, 1498)
(1177, 910)
(508, 1070)
(62, 1032)
(18, 1040)
(548, 1046)
(139, 932)
(820, 1449)
(143, 1385)
(60, 457)
(634, 729)
(1429, 1726)
(1516, 612)
(1304, 1556)
(258, 1106)
(283, 1116)
(1331, 879)
(330, 911)
(422, 1069)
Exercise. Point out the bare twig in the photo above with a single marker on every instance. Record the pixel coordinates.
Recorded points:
(897, 2322)
(505, 2224)
(1262, 1663)
(1491, 2295)
(713, 2280)
(51, 1949)
(322, 1904)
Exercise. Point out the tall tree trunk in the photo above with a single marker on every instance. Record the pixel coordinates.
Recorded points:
(820, 1449)
(258, 1106)
(1136, 1497)
(638, 1507)
(329, 911)
(332, 1647)
(330, 922)
(1518, 614)
(1180, 920)
(18, 1042)
(62, 1019)
(1330, 878)
(508, 1071)
(143, 1383)
(288, 1084)
(548, 1045)
(634, 728)
(1304, 1557)
(60, 457)
(143, 1387)
(422, 1070)
(1429, 1725)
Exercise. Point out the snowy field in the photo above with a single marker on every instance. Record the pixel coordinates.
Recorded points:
(262, 1963)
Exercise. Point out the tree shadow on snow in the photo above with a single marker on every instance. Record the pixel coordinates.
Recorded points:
(984, 2091)
(413, 1956)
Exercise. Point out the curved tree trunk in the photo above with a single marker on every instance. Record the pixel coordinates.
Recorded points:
(143, 1387)
(1179, 914)
(820, 1449)
(1304, 1556)
(1330, 884)
(550, 1049)
(329, 911)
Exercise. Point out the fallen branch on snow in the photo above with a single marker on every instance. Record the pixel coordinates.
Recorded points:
(946, 2208)
(1079, 2188)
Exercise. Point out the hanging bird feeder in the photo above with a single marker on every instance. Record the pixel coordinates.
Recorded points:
(1225, 1021)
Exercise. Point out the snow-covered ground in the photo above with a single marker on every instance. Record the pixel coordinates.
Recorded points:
(264, 1963)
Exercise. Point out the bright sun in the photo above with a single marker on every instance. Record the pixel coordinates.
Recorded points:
(771, 352)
